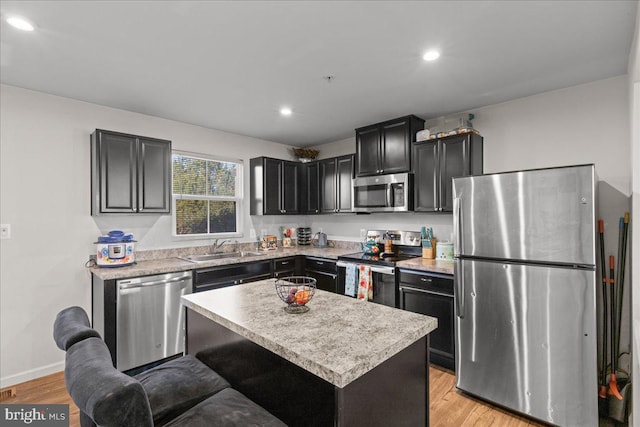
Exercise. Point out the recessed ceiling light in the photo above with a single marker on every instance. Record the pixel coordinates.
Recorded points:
(20, 23)
(285, 111)
(431, 55)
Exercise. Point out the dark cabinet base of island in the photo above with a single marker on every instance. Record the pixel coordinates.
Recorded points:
(395, 393)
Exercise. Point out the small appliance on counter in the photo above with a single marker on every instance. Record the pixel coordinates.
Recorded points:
(304, 236)
(321, 240)
(116, 249)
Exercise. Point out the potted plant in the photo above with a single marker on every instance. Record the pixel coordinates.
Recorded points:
(305, 154)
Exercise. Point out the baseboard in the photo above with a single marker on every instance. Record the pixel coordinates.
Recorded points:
(31, 374)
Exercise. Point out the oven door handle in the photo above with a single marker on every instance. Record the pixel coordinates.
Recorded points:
(382, 270)
(374, 268)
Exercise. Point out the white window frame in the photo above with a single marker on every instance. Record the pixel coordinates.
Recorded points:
(239, 199)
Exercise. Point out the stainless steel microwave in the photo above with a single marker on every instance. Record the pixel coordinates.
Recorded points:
(383, 193)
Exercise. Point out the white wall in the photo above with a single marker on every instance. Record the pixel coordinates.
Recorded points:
(45, 196)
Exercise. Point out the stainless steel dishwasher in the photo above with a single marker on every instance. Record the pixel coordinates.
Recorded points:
(150, 320)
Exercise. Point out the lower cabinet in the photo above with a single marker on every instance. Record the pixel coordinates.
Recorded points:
(290, 266)
(222, 276)
(432, 294)
(324, 271)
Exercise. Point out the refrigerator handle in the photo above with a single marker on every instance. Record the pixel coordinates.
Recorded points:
(457, 226)
(458, 284)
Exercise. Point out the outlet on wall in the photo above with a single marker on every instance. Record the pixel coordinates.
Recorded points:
(252, 233)
(363, 234)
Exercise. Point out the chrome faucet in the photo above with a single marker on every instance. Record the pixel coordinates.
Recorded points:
(215, 246)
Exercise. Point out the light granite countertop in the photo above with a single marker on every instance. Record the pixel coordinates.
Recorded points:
(174, 263)
(428, 265)
(339, 339)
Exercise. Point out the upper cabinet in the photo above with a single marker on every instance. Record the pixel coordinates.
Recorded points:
(436, 162)
(310, 188)
(385, 147)
(336, 176)
(275, 186)
(129, 173)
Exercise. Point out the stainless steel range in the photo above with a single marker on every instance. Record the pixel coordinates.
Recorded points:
(406, 245)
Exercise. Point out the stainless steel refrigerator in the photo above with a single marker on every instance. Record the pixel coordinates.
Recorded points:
(525, 291)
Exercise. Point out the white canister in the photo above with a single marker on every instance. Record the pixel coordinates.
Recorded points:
(444, 250)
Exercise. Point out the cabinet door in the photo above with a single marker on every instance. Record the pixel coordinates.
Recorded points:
(325, 281)
(328, 186)
(440, 306)
(117, 155)
(272, 186)
(454, 162)
(395, 147)
(425, 161)
(345, 183)
(290, 187)
(368, 151)
(154, 176)
(311, 188)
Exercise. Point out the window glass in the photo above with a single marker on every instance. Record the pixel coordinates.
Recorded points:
(206, 194)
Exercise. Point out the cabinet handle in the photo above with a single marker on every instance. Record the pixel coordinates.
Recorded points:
(134, 210)
(284, 263)
(319, 263)
(426, 280)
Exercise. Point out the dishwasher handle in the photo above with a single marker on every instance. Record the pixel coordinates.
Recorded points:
(131, 285)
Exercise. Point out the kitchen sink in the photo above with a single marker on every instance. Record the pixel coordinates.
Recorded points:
(222, 255)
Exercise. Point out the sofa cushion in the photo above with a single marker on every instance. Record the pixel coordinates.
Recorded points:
(106, 395)
(228, 408)
(177, 385)
(72, 325)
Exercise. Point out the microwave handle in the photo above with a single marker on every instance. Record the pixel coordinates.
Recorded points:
(389, 201)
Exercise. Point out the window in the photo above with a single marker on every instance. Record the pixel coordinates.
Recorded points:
(207, 195)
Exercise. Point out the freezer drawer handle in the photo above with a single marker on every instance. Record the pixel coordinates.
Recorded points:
(457, 225)
(458, 281)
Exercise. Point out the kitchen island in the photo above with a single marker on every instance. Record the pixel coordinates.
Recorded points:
(345, 362)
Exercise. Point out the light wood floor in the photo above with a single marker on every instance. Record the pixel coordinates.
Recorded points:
(448, 408)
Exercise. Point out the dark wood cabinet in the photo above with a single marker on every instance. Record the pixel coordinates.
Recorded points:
(324, 271)
(310, 188)
(275, 186)
(129, 173)
(289, 266)
(432, 294)
(385, 148)
(436, 162)
(336, 175)
(205, 279)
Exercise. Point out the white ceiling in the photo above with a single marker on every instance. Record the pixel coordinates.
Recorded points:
(233, 65)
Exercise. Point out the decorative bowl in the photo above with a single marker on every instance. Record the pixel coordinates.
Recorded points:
(296, 292)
